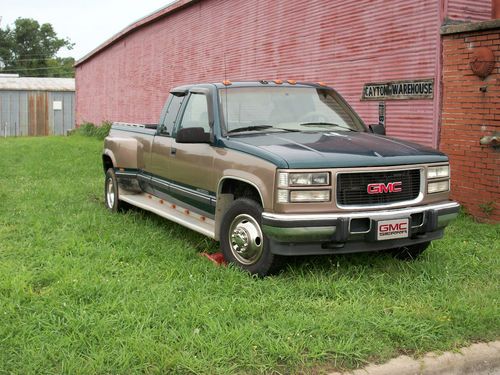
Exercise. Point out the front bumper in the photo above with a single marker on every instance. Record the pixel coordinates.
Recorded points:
(354, 231)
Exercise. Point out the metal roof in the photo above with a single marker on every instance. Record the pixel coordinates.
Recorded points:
(150, 18)
(37, 83)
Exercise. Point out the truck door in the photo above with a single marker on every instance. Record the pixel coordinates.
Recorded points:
(190, 167)
(160, 153)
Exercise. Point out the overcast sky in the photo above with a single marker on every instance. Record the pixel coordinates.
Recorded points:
(87, 23)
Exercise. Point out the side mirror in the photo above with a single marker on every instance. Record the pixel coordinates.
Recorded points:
(192, 135)
(377, 129)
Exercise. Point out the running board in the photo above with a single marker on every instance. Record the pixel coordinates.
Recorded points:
(173, 212)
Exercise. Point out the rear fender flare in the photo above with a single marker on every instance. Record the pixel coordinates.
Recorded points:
(124, 152)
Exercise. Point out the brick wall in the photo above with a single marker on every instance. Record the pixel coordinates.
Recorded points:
(468, 114)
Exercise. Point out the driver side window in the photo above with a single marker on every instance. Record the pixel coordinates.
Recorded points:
(196, 113)
(169, 114)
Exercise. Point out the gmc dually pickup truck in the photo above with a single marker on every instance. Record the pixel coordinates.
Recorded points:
(274, 169)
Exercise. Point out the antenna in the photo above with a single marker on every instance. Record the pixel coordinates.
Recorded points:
(225, 79)
(224, 58)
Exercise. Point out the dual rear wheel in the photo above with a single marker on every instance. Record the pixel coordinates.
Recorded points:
(111, 192)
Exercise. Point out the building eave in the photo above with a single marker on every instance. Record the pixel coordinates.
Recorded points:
(153, 17)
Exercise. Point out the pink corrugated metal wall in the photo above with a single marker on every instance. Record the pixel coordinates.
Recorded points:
(343, 43)
(469, 10)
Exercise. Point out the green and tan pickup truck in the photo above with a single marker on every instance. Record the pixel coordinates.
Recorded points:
(278, 168)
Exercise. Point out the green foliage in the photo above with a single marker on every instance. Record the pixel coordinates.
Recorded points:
(30, 49)
(487, 207)
(85, 291)
(89, 129)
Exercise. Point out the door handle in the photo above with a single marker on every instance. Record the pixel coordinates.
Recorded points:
(173, 151)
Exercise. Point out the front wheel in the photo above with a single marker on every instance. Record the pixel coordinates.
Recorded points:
(410, 252)
(242, 240)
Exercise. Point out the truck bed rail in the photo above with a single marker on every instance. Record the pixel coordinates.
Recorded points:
(134, 125)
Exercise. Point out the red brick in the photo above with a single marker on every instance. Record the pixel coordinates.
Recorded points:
(467, 116)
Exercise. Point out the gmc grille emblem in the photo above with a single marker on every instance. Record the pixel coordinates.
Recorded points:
(380, 188)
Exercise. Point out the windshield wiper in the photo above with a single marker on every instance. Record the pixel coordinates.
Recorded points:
(260, 127)
(326, 124)
(250, 128)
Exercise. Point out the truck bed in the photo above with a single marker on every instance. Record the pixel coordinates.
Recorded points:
(149, 129)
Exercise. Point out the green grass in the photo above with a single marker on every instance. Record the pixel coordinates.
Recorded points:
(86, 291)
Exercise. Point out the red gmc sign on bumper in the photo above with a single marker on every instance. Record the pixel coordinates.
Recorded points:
(391, 229)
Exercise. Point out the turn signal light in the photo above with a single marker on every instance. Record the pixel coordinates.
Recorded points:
(437, 187)
(309, 195)
(227, 82)
(291, 81)
(278, 81)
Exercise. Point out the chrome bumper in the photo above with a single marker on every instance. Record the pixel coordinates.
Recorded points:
(341, 227)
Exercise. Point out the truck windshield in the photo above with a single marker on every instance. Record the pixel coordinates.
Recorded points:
(254, 109)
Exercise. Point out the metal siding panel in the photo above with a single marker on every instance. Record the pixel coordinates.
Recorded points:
(40, 114)
(6, 114)
(50, 113)
(14, 113)
(68, 109)
(3, 113)
(73, 110)
(23, 113)
(31, 113)
(57, 115)
(345, 44)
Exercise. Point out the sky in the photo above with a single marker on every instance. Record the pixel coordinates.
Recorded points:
(87, 23)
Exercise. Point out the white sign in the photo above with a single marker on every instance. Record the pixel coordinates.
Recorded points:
(413, 89)
(390, 229)
(57, 105)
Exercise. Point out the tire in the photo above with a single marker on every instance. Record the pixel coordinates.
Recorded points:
(243, 242)
(411, 252)
(111, 191)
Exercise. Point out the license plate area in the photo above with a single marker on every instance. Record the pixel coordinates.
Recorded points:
(393, 229)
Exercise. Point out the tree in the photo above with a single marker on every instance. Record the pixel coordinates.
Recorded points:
(30, 49)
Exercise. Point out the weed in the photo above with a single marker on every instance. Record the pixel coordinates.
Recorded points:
(89, 129)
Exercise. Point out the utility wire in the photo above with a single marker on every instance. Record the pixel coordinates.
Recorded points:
(47, 58)
(13, 70)
(33, 54)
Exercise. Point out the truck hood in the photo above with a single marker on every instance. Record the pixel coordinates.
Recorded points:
(332, 149)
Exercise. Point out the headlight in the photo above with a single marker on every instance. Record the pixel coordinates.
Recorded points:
(303, 179)
(438, 172)
(436, 187)
(309, 196)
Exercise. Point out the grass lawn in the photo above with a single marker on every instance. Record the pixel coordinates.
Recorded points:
(86, 291)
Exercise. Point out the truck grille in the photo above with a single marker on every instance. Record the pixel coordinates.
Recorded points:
(352, 187)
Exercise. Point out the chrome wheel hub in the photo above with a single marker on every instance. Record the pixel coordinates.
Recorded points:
(245, 239)
(110, 193)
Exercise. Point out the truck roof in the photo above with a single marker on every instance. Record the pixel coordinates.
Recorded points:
(262, 83)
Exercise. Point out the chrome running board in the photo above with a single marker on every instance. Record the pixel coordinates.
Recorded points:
(173, 212)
